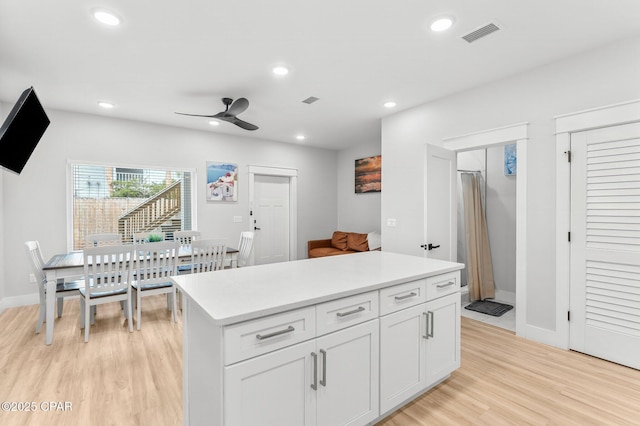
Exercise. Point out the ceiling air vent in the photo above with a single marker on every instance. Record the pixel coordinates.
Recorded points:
(481, 32)
(310, 100)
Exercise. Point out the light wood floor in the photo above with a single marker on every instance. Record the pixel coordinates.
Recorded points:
(122, 378)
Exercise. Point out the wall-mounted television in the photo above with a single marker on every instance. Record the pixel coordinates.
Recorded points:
(21, 131)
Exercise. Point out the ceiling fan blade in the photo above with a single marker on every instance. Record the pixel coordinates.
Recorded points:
(238, 106)
(223, 116)
(196, 115)
(244, 124)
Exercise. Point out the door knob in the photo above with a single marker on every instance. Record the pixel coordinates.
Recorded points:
(431, 246)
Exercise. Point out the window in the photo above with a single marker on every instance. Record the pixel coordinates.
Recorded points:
(128, 200)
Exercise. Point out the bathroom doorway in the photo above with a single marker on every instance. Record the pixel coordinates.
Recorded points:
(496, 175)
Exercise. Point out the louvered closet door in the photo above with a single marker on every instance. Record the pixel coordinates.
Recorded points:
(605, 243)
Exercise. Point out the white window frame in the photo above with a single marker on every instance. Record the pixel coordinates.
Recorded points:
(70, 177)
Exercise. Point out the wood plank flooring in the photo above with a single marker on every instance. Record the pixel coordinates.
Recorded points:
(122, 378)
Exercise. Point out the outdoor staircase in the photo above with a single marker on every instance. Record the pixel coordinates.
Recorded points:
(159, 211)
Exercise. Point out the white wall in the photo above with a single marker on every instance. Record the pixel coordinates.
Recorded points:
(501, 222)
(35, 205)
(356, 212)
(604, 76)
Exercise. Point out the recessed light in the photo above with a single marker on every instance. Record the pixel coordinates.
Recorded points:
(442, 24)
(106, 17)
(280, 71)
(300, 137)
(106, 105)
(214, 123)
(389, 104)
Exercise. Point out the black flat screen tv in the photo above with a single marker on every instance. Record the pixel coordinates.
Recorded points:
(21, 131)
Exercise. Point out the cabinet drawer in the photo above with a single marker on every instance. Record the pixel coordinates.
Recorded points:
(252, 338)
(402, 296)
(345, 312)
(444, 284)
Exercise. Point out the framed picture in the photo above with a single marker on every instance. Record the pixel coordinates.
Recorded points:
(368, 173)
(510, 160)
(222, 181)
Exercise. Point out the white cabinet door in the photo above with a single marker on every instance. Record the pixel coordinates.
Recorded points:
(348, 376)
(272, 389)
(402, 356)
(443, 337)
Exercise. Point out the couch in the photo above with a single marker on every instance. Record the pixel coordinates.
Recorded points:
(343, 243)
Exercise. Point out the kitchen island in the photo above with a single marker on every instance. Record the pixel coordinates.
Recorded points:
(341, 340)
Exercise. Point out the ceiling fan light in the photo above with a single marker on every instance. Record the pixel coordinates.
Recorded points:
(389, 104)
(106, 104)
(214, 123)
(280, 71)
(300, 137)
(106, 17)
(442, 24)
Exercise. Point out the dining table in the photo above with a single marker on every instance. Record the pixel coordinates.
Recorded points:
(71, 266)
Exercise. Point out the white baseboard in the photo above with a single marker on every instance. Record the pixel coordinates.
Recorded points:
(505, 296)
(17, 301)
(501, 296)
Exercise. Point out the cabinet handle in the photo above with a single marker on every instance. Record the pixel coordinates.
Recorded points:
(323, 381)
(314, 384)
(426, 325)
(406, 296)
(445, 285)
(431, 322)
(355, 311)
(275, 333)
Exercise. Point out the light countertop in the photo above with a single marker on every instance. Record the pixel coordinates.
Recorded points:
(233, 295)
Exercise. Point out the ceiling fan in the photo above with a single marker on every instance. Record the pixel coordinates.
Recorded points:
(232, 109)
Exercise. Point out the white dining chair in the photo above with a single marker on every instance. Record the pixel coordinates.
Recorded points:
(207, 255)
(148, 236)
(186, 236)
(103, 239)
(154, 265)
(63, 288)
(244, 248)
(184, 240)
(107, 278)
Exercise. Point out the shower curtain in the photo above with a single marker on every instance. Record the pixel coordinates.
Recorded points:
(479, 268)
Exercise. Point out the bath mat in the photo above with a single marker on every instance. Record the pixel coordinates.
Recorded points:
(488, 307)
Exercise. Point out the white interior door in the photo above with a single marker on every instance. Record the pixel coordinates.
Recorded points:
(271, 219)
(440, 204)
(605, 243)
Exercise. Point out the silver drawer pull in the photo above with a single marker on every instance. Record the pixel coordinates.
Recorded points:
(355, 311)
(323, 381)
(275, 333)
(314, 384)
(406, 296)
(445, 285)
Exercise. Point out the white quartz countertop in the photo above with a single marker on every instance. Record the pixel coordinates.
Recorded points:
(233, 295)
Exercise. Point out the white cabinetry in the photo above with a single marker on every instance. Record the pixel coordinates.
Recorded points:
(272, 389)
(321, 342)
(402, 357)
(442, 337)
(347, 388)
(328, 381)
(419, 345)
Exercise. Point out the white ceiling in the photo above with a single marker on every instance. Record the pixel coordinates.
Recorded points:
(353, 55)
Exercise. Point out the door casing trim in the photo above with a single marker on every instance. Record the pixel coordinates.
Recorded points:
(515, 133)
(292, 174)
(605, 116)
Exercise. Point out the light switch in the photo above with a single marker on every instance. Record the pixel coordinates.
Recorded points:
(391, 223)
(237, 219)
